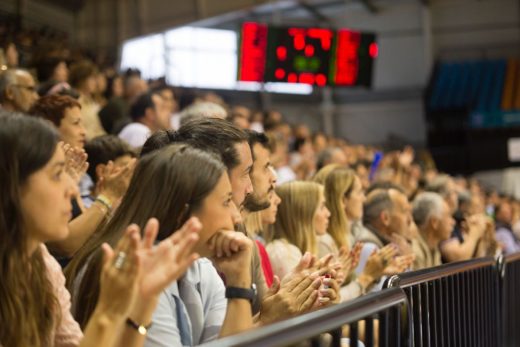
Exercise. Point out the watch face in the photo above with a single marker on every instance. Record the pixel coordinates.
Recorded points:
(253, 286)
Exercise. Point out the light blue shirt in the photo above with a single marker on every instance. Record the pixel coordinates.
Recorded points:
(190, 311)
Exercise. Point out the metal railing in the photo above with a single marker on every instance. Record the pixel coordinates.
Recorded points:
(510, 318)
(456, 304)
(469, 303)
(388, 308)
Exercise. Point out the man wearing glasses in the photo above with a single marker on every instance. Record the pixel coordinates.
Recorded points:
(17, 90)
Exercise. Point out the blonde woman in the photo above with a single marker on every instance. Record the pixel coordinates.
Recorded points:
(344, 198)
(301, 214)
(339, 189)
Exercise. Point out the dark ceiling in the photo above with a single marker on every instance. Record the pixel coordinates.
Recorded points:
(69, 5)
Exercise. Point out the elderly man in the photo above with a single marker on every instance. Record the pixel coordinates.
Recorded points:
(386, 214)
(17, 90)
(462, 245)
(387, 219)
(433, 217)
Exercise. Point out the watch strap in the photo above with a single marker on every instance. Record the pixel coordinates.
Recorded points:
(240, 293)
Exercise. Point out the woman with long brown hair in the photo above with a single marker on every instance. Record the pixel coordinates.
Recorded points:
(35, 208)
(174, 184)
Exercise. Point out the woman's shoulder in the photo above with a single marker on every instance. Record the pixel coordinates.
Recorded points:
(326, 239)
(281, 246)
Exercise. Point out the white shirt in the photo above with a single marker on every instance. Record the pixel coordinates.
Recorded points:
(284, 256)
(135, 134)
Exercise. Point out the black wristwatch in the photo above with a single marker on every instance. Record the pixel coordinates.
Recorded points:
(241, 293)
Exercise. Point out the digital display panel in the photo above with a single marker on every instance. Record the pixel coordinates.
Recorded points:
(315, 56)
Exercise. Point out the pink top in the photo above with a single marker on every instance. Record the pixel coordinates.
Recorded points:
(67, 332)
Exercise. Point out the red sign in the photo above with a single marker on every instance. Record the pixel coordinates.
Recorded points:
(253, 52)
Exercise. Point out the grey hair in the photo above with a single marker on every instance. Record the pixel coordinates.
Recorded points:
(202, 109)
(325, 156)
(377, 202)
(7, 79)
(425, 206)
(439, 185)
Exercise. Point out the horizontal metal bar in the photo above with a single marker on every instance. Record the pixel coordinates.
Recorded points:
(512, 257)
(311, 324)
(415, 277)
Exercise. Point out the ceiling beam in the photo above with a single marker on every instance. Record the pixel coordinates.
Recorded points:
(315, 13)
(370, 6)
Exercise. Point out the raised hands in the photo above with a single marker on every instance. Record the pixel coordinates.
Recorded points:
(376, 264)
(348, 260)
(138, 268)
(379, 260)
(475, 225)
(120, 276)
(299, 291)
(399, 264)
(404, 247)
(114, 180)
(165, 262)
(75, 161)
(296, 294)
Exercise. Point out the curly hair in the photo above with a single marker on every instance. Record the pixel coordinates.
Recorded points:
(52, 107)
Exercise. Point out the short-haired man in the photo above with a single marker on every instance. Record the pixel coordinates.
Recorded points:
(17, 90)
(385, 213)
(229, 142)
(433, 218)
(262, 176)
(387, 218)
(149, 114)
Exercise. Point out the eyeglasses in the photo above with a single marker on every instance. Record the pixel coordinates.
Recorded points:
(32, 89)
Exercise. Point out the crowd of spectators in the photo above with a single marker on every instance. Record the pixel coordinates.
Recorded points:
(136, 214)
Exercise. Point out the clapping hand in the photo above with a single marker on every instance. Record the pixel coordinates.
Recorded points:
(399, 264)
(168, 260)
(120, 275)
(349, 260)
(114, 180)
(75, 161)
(376, 264)
(139, 268)
(402, 244)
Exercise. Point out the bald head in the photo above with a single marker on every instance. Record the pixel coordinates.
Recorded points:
(17, 90)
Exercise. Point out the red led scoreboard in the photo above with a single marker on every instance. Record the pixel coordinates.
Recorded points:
(315, 56)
